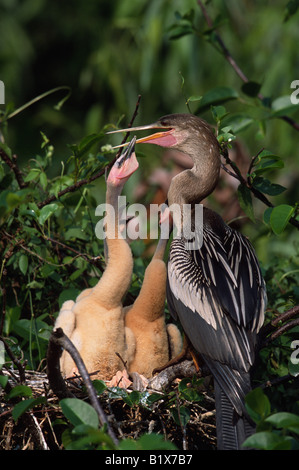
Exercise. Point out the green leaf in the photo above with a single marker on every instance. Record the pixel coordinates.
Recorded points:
(32, 175)
(267, 215)
(99, 386)
(25, 405)
(280, 216)
(265, 186)
(25, 328)
(6, 149)
(155, 442)
(251, 89)
(238, 122)
(133, 398)
(217, 96)
(76, 232)
(245, 200)
(267, 440)
(43, 180)
(86, 437)
(150, 441)
(194, 98)
(219, 113)
(282, 106)
(46, 212)
(180, 30)
(23, 264)
(13, 200)
(79, 412)
(257, 404)
(293, 368)
(267, 161)
(181, 416)
(68, 294)
(87, 143)
(153, 397)
(3, 380)
(188, 391)
(285, 420)
(34, 285)
(225, 135)
(20, 391)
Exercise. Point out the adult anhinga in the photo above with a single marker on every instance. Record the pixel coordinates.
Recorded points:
(216, 291)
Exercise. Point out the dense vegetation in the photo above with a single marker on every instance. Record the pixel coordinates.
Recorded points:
(73, 71)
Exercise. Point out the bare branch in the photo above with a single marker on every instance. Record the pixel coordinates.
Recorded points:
(272, 331)
(59, 340)
(14, 167)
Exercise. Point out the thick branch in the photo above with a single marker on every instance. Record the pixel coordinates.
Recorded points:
(14, 167)
(272, 331)
(288, 326)
(278, 381)
(59, 340)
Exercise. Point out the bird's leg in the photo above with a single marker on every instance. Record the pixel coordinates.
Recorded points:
(185, 353)
(195, 358)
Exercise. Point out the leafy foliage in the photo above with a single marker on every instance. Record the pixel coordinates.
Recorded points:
(275, 431)
(54, 153)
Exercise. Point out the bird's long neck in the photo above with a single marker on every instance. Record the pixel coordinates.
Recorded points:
(112, 210)
(192, 186)
(116, 279)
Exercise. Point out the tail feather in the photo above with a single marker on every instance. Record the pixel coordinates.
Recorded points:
(232, 429)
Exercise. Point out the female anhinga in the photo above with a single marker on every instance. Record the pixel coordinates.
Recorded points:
(216, 291)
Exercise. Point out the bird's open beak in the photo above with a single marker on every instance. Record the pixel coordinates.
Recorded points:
(164, 138)
(125, 165)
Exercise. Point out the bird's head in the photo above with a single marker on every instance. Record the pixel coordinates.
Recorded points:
(184, 132)
(124, 166)
(192, 136)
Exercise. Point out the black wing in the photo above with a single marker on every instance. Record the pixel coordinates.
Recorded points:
(218, 294)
